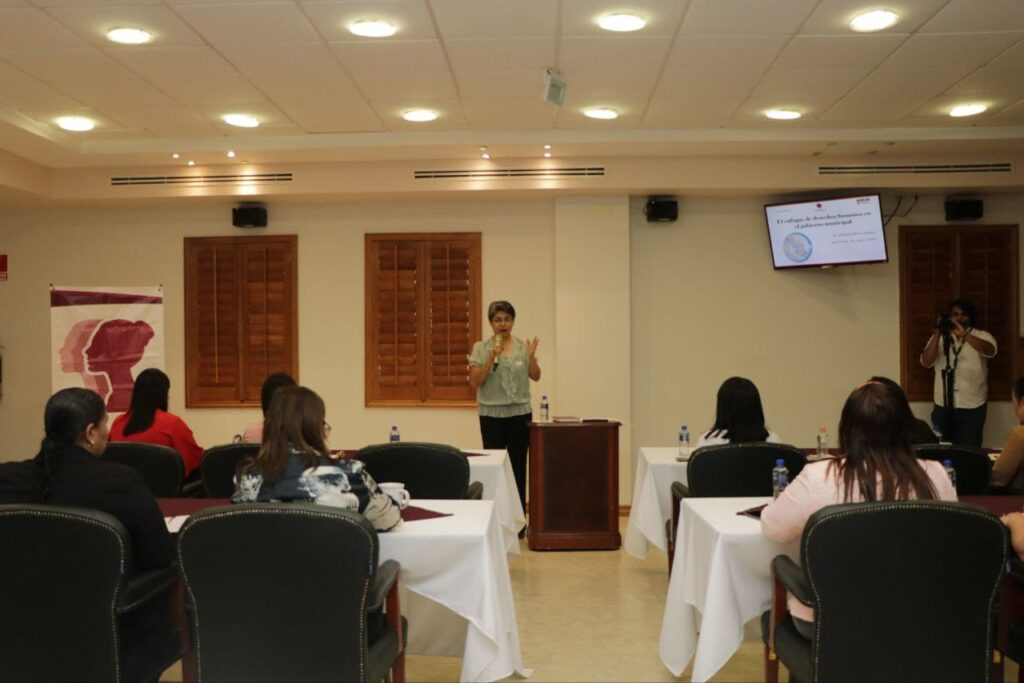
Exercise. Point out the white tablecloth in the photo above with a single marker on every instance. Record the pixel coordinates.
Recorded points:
(651, 507)
(457, 594)
(721, 570)
(494, 471)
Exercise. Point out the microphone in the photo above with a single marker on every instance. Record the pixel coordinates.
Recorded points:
(497, 343)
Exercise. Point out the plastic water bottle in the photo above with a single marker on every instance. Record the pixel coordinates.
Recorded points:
(684, 442)
(545, 410)
(394, 436)
(822, 442)
(950, 472)
(780, 478)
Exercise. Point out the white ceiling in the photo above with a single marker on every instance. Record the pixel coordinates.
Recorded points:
(700, 73)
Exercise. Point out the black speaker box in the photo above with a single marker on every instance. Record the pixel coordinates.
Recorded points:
(661, 209)
(964, 209)
(249, 217)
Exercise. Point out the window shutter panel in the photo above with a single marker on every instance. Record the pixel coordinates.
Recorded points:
(453, 318)
(213, 368)
(268, 313)
(393, 319)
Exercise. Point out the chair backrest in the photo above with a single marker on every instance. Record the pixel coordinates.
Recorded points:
(162, 468)
(904, 591)
(278, 591)
(973, 466)
(219, 465)
(59, 579)
(428, 470)
(739, 469)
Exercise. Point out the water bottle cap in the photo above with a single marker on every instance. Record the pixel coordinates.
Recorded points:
(822, 429)
(683, 427)
(394, 426)
(780, 461)
(544, 396)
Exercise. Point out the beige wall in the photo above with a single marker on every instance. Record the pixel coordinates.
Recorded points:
(134, 246)
(707, 305)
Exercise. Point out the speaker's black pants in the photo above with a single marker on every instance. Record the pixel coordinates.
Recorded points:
(512, 434)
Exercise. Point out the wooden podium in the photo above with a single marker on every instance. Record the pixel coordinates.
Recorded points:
(574, 486)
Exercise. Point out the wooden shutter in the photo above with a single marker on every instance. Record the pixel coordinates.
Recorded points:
(941, 263)
(422, 317)
(240, 317)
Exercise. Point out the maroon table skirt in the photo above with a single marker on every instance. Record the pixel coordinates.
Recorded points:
(999, 505)
(174, 507)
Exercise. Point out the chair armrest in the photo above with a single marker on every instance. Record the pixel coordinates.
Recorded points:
(680, 490)
(475, 491)
(1011, 603)
(792, 577)
(383, 580)
(146, 586)
(193, 489)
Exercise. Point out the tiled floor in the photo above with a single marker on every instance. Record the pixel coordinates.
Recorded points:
(590, 616)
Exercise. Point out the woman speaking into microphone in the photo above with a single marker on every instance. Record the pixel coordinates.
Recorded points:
(500, 369)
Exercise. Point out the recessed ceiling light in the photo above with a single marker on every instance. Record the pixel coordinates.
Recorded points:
(782, 114)
(875, 20)
(373, 28)
(241, 120)
(485, 155)
(129, 36)
(547, 155)
(420, 115)
(175, 156)
(602, 113)
(191, 163)
(231, 154)
(961, 110)
(547, 146)
(621, 23)
(77, 124)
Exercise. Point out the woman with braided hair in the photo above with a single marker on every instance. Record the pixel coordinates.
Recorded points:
(68, 470)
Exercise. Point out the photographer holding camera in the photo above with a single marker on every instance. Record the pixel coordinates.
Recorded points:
(959, 352)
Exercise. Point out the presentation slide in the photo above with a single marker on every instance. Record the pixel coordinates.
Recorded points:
(826, 232)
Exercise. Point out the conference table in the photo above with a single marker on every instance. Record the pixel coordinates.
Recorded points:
(455, 587)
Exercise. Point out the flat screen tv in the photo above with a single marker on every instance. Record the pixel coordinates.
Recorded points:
(826, 232)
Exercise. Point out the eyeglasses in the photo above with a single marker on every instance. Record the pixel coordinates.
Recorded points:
(327, 428)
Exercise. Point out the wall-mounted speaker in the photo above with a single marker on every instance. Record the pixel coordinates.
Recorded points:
(661, 209)
(249, 217)
(961, 209)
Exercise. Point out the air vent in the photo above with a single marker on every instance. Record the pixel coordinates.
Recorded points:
(916, 169)
(496, 173)
(204, 180)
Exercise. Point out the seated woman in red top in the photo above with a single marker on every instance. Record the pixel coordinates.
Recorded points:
(147, 420)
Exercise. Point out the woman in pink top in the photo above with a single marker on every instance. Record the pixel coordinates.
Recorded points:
(147, 420)
(874, 433)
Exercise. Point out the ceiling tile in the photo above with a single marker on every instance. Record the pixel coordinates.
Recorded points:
(36, 95)
(686, 112)
(523, 85)
(196, 129)
(93, 3)
(837, 52)
(291, 72)
(68, 65)
(753, 108)
(834, 16)
(267, 23)
(579, 17)
(30, 28)
(938, 108)
(509, 114)
(604, 84)
(740, 17)
(332, 18)
(390, 112)
(1012, 58)
(434, 85)
(967, 50)
(163, 65)
(92, 23)
(630, 111)
(495, 18)
(12, 4)
(627, 53)
(813, 90)
(747, 53)
(891, 95)
(214, 91)
(390, 56)
(963, 16)
(269, 116)
(315, 116)
(133, 91)
(148, 117)
(48, 115)
(697, 84)
(1011, 116)
(501, 54)
(9, 73)
(992, 83)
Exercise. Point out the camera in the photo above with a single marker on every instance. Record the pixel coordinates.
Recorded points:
(945, 324)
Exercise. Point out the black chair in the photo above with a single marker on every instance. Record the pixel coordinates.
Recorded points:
(283, 592)
(428, 470)
(902, 591)
(973, 466)
(162, 468)
(1010, 631)
(71, 609)
(731, 470)
(219, 465)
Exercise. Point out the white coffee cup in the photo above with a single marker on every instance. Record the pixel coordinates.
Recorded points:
(396, 490)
